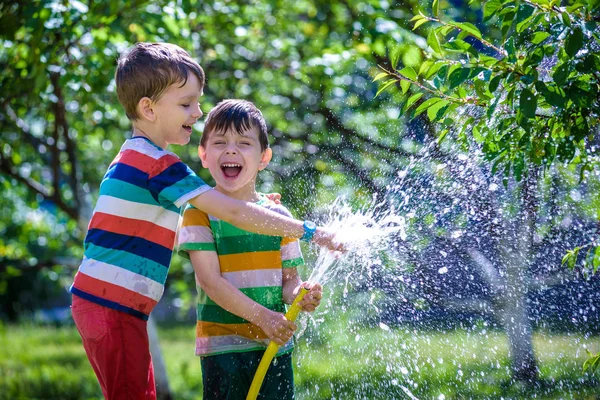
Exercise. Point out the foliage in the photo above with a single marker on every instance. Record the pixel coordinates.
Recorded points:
(42, 362)
(528, 97)
(531, 96)
(591, 363)
(61, 124)
(522, 86)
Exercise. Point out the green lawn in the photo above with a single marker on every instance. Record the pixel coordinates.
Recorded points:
(332, 363)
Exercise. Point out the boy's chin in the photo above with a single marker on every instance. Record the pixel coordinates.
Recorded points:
(182, 141)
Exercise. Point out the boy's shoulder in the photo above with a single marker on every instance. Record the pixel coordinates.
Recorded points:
(143, 146)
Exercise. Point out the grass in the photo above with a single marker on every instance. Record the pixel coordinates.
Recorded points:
(331, 363)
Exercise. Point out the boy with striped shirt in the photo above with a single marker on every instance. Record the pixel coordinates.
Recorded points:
(244, 279)
(131, 235)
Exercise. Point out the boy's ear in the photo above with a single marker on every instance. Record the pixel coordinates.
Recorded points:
(202, 155)
(145, 109)
(265, 159)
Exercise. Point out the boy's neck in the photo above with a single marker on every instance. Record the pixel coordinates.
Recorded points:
(139, 131)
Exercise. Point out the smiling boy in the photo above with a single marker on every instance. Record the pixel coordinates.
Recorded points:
(244, 279)
(131, 235)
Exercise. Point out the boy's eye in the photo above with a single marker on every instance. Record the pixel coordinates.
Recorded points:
(245, 143)
(185, 105)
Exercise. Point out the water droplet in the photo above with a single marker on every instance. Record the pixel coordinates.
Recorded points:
(384, 326)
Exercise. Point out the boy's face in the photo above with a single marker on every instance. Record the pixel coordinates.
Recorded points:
(234, 160)
(176, 111)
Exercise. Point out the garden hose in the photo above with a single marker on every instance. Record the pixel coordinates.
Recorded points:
(272, 348)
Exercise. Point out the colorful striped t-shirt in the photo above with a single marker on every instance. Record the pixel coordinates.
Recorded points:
(252, 263)
(130, 238)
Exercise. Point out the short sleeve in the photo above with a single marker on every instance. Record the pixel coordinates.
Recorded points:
(291, 254)
(174, 182)
(195, 232)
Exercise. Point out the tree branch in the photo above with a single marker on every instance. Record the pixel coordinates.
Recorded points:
(37, 187)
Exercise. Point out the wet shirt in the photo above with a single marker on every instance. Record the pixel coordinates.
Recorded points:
(251, 262)
(130, 238)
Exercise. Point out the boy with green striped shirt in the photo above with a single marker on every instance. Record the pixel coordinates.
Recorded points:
(244, 279)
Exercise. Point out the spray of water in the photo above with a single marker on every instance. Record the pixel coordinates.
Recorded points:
(371, 236)
(365, 232)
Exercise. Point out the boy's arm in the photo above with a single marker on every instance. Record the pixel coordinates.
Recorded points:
(208, 272)
(255, 218)
(291, 286)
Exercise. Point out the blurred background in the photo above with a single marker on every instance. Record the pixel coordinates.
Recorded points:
(470, 300)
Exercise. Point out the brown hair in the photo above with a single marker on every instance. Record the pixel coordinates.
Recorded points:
(148, 69)
(240, 115)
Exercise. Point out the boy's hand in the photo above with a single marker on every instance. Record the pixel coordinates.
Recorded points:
(277, 327)
(312, 299)
(274, 197)
(327, 238)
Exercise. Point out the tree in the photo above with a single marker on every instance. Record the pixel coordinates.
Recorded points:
(528, 99)
(61, 125)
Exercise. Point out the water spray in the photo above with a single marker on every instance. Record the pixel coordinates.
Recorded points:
(363, 232)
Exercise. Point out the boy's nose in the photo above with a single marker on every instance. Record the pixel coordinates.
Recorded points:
(197, 112)
(231, 149)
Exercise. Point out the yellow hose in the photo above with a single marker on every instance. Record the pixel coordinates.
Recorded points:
(272, 348)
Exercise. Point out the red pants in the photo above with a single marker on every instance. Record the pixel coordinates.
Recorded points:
(116, 344)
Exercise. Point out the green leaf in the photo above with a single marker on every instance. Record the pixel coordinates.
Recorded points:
(435, 8)
(408, 72)
(380, 75)
(570, 258)
(412, 100)
(596, 259)
(490, 9)
(442, 136)
(426, 104)
(434, 43)
(434, 69)
(424, 67)
(519, 167)
(419, 23)
(395, 56)
(587, 65)
(432, 112)
(539, 37)
(477, 135)
(458, 76)
(561, 73)
(510, 50)
(554, 95)
(404, 85)
(527, 103)
(494, 83)
(575, 7)
(385, 86)
(469, 28)
(523, 14)
(417, 17)
(574, 42)
(566, 19)
(591, 363)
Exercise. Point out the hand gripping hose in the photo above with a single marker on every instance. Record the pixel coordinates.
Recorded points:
(272, 348)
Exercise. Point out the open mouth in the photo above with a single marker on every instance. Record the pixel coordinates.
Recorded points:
(231, 170)
(187, 128)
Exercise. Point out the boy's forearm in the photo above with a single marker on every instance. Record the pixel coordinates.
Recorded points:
(233, 300)
(291, 285)
(247, 215)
